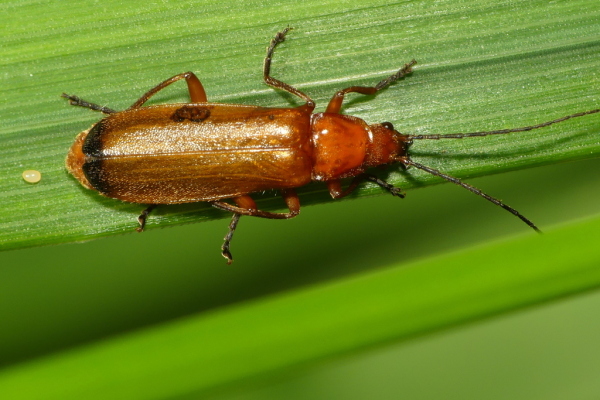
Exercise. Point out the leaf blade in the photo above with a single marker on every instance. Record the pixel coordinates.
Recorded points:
(453, 79)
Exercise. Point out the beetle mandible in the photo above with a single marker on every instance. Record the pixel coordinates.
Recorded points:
(201, 151)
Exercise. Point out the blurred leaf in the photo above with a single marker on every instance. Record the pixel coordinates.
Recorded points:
(186, 358)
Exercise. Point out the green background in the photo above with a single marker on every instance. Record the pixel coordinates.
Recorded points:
(130, 316)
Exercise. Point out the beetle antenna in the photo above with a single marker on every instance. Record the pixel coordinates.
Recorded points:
(470, 188)
(503, 131)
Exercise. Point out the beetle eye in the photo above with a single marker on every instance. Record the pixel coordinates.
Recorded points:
(388, 125)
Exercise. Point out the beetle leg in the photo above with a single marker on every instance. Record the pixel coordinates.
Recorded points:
(197, 93)
(335, 186)
(335, 104)
(143, 216)
(292, 201)
(245, 202)
(247, 206)
(276, 83)
(77, 101)
(394, 191)
(227, 239)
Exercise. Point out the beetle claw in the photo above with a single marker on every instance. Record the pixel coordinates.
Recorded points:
(227, 254)
(396, 191)
(143, 216)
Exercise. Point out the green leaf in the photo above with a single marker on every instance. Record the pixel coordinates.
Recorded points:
(489, 67)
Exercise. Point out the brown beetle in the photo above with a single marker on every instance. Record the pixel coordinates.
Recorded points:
(201, 151)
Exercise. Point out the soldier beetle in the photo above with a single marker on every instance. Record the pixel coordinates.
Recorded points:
(201, 151)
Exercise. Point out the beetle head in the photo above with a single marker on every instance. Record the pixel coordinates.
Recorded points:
(387, 145)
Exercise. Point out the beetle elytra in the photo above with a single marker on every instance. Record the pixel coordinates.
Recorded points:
(201, 151)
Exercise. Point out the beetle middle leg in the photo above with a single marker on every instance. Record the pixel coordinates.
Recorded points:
(143, 216)
(276, 83)
(227, 239)
(335, 104)
(247, 206)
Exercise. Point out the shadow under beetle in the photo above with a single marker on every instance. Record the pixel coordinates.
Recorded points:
(201, 151)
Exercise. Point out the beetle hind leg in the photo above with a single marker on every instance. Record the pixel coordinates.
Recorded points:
(78, 101)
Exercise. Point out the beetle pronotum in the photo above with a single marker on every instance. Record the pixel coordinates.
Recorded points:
(201, 151)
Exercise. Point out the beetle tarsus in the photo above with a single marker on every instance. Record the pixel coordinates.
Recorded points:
(335, 104)
(78, 101)
(143, 216)
(395, 191)
(227, 239)
(407, 69)
(280, 37)
(276, 83)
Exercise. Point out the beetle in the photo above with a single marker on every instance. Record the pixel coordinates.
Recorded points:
(202, 151)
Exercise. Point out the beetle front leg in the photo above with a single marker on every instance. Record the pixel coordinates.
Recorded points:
(336, 191)
(335, 104)
(197, 92)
